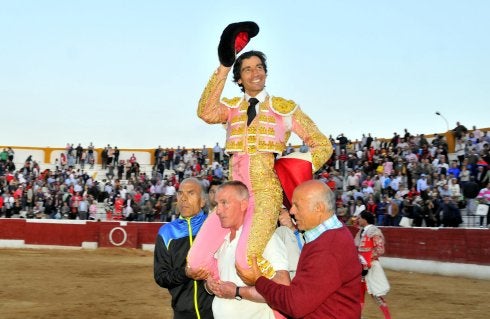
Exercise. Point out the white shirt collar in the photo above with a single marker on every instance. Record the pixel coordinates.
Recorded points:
(261, 96)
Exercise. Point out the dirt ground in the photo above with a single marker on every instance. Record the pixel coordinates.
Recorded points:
(118, 283)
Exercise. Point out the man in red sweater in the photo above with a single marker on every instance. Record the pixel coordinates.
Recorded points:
(327, 281)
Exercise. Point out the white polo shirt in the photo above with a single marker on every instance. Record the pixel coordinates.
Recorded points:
(275, 252)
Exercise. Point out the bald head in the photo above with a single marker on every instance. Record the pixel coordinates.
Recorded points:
(313, 203)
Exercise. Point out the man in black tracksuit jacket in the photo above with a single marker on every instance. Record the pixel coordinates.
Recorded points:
(189, 298)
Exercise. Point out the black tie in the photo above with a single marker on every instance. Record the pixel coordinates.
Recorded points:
(251, 109)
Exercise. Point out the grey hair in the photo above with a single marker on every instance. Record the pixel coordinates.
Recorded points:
(324, 196)
(194, 180)
(238, 186)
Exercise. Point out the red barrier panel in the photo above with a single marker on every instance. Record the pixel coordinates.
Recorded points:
(456, 245)
(12, 228)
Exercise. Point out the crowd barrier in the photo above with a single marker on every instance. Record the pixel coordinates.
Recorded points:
(445, 251)
(39, 233)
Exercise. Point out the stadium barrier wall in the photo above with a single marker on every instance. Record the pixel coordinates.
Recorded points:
(443, 251)
(38, 233)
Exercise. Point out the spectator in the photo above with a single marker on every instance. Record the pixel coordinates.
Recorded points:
(449, 212)
(304, 148)
(217, 152)
(392, 216)
(93, 209)
(83, 208)
(484, 199)
(343, 141)
(212, 194)
(460, 130)
(422, 186)
(78, 153)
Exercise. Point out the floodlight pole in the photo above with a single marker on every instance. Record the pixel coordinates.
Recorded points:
(445, 120)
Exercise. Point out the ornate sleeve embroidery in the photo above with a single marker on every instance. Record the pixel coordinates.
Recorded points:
(320, 146)
(379, 246)
(210, 109)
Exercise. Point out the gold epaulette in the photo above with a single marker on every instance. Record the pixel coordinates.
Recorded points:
(282, 106)
(232, 103)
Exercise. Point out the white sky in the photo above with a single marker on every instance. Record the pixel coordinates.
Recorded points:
(130, 73)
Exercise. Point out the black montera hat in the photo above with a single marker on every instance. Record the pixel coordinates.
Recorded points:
(233, 39)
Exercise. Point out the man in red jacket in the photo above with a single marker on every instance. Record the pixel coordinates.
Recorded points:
(327, 281)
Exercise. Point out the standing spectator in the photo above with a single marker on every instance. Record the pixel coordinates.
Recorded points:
(371, 245)
(369, 141)
(482, 175)
(352, 180)
(342, 160)
(360, 207)
(110, 155)
(217, 152)
(169, 162)
(394, 140)
(104, 156)
(449, 213)
(470, 192)
(343, 141)
(83, 208)
(90, 155)
(484, 199)
(92, 208)
(120, 169)
(392, 216)
(304, 148)
(460, 150)
(11, 154)
(472, 160)
(203, 155)
(116, 155)
(460, 130)
(78, 153)
(180, 168)
(388, 166)
(83, 158)
(422, 186)
(75, 203)
(477, 133)
(189, 298)
(118, 208)
(9, 204)
(156, 155)
(4, 156)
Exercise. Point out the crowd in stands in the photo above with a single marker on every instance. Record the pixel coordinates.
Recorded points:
(124, 192)
(408, 177)
(398, 179)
